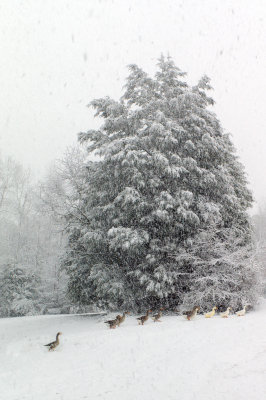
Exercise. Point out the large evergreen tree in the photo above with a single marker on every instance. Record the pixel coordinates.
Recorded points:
(166, 171)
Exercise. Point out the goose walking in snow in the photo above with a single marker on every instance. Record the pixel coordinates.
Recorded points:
(121, 318)
(112, 323)
(156, 317)
(144, 318)
(54, 344)
(191, 314)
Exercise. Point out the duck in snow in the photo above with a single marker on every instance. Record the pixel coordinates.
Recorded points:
(211, 313)
(226, 313)
(241, 313)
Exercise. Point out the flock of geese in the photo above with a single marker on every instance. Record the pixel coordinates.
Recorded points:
(189, 315)
(113, 323)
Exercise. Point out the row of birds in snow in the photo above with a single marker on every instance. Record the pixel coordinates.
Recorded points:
(113, 323)
(191, 314)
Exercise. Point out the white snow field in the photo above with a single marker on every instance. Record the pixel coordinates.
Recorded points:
(204, 359)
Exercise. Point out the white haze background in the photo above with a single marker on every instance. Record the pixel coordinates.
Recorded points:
(56, 56)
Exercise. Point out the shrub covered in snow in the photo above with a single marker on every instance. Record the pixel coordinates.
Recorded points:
(18, 292)
(222, 269)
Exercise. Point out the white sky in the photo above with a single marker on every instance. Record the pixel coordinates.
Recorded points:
(57, 55)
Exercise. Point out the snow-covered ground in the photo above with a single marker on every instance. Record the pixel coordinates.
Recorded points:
(215, 359)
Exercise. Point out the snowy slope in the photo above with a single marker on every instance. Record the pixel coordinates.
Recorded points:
(216, 359)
